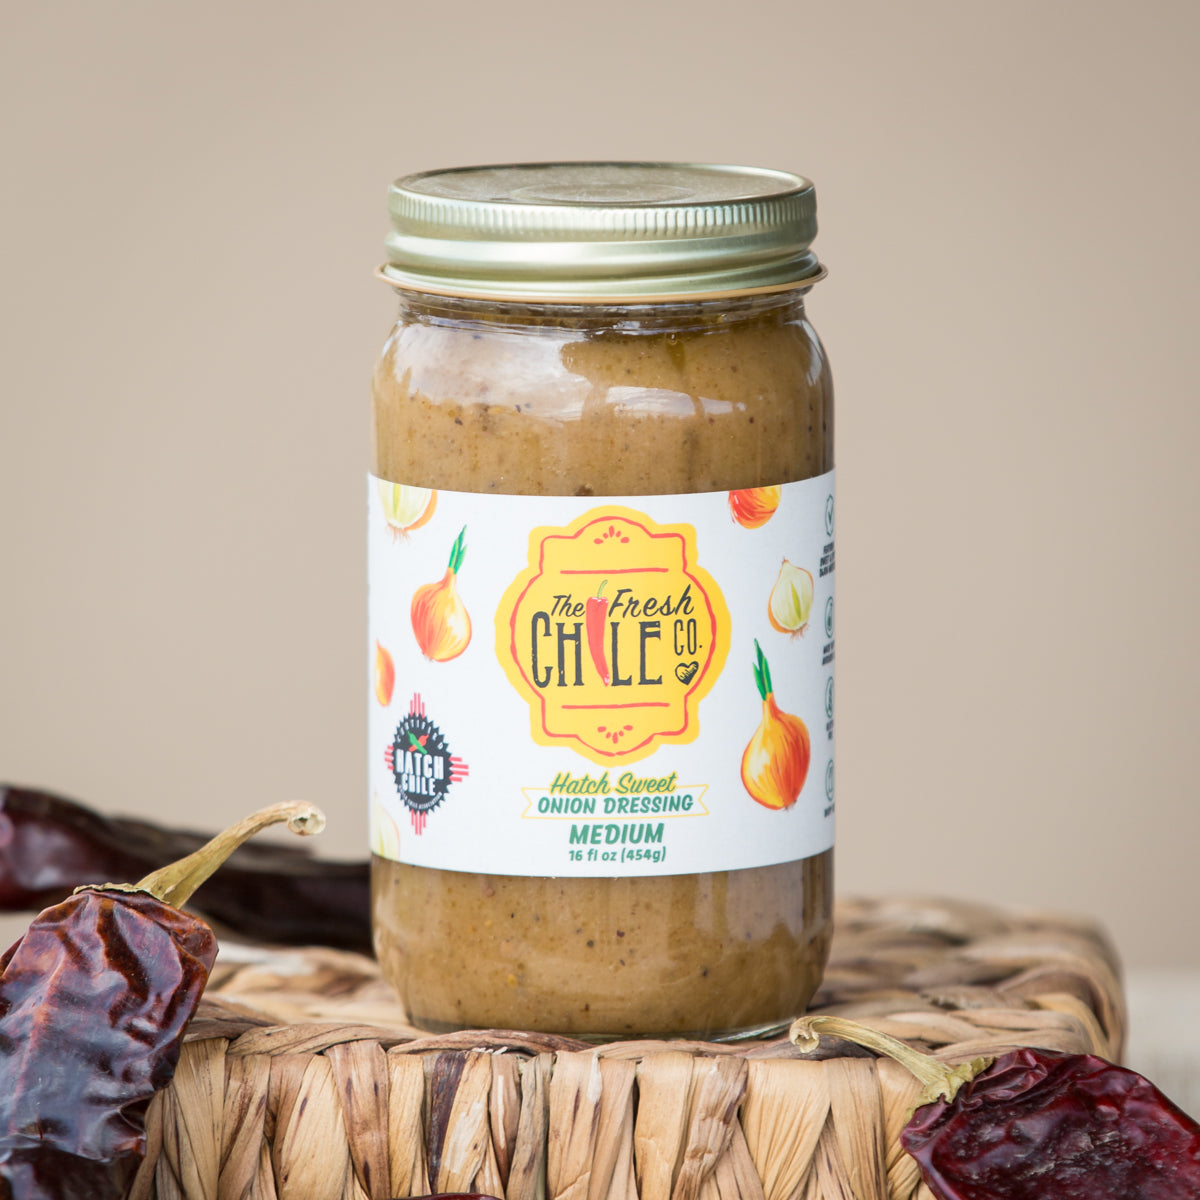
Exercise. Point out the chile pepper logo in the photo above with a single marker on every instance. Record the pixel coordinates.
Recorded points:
(420, 761)
(596, 617)
(613, 634)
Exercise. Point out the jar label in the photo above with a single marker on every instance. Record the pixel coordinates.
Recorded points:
(583, 686)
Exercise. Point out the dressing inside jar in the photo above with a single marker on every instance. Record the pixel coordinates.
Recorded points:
(617, 899)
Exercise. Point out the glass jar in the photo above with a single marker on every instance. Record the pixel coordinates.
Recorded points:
(601, 554)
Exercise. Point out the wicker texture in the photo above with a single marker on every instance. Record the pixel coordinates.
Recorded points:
(301, 1079)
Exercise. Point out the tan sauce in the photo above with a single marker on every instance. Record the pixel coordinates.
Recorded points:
(476, 397)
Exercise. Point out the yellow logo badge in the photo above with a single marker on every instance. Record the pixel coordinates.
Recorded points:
(613, 634)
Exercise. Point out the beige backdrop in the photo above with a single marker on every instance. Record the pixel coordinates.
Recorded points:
(192, 208)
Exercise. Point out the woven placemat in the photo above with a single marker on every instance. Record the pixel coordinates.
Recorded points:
(302, 1080)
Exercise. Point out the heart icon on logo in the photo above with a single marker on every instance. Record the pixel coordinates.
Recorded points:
(686, 672)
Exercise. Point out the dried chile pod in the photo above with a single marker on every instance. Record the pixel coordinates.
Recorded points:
(50, 845)
(1034, 1123)
(94, 1001)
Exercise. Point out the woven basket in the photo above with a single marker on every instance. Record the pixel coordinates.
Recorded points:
(302, 1080)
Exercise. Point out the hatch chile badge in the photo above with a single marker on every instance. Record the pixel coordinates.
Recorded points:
(421, 764)
(613, 634)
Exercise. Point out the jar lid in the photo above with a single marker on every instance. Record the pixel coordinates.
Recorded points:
(601, 231)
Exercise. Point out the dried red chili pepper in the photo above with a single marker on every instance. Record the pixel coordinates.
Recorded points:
(94, 1001)
(595, 618)
(1036, 1125)
(50, 845)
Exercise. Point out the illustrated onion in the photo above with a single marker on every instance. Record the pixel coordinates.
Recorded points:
(385, 675)
(775, 763)
(752, 507)
(385, 833)
(440, 621)
(791, 599)
(406, 508)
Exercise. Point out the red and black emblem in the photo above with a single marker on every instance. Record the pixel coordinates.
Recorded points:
(420, 761)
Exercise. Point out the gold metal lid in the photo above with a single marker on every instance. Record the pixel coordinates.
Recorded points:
(601, 231)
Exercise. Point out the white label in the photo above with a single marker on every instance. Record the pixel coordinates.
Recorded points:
(584, 686)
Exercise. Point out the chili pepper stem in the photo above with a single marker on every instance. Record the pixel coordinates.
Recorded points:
(940, 1079)
(175, 883)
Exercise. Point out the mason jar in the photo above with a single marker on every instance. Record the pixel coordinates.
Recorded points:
(601, 552)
